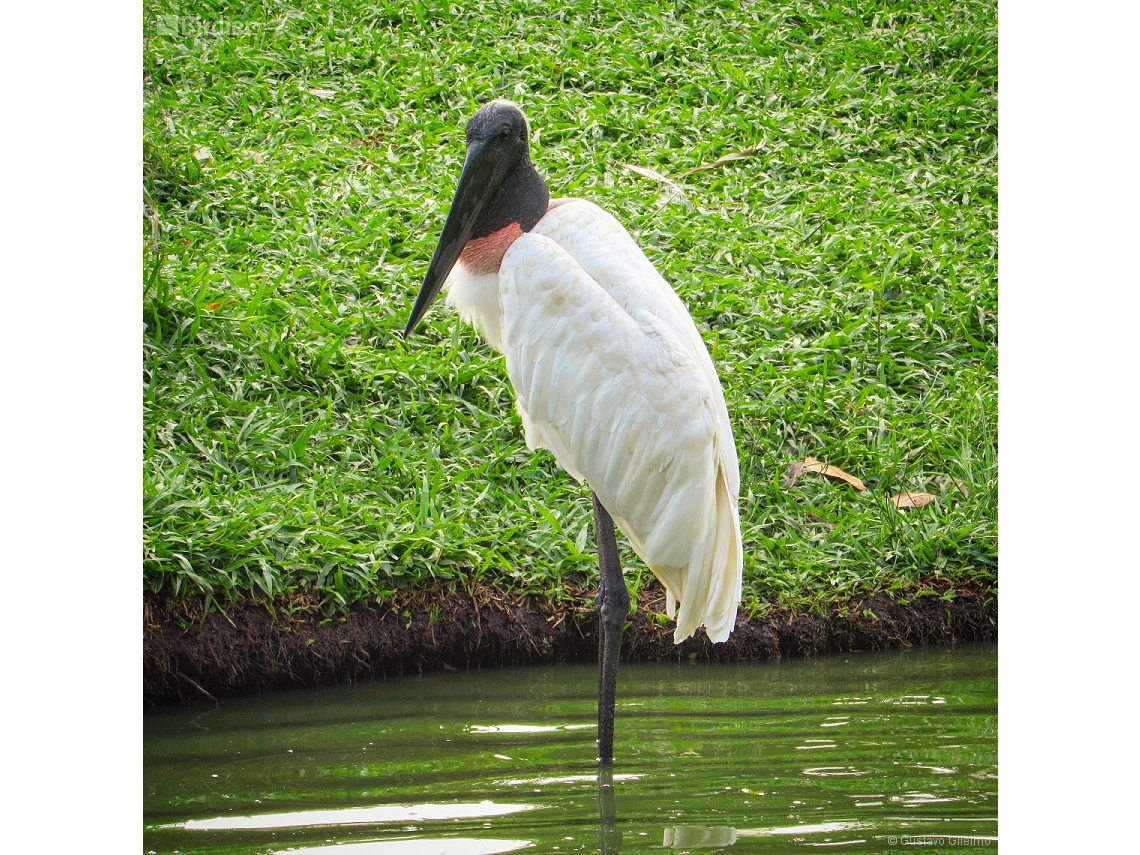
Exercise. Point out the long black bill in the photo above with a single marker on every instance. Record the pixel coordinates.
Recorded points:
(483, 174)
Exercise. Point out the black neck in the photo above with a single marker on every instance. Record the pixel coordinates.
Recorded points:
(522, 199)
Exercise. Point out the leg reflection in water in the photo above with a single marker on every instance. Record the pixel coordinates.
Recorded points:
(609, 838)
(676, 836)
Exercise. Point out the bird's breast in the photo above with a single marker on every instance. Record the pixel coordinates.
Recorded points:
(485, 255)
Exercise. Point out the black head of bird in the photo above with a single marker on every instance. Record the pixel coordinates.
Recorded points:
(499, 187)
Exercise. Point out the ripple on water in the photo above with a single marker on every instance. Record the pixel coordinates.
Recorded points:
(421, 846)
(374, 815)
(835, 772)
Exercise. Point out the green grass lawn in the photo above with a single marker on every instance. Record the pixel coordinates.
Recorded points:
(298, 165)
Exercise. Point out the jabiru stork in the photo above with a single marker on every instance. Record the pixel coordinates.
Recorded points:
(609, 374)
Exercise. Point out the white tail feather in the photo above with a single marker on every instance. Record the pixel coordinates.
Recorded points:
(712, 580)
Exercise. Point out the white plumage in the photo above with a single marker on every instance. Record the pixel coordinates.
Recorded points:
(611, 375)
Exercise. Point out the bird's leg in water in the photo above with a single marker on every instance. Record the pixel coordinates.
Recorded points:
(613, 609)
(609, 838)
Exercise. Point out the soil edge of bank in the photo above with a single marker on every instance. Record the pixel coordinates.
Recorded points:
(253, 646)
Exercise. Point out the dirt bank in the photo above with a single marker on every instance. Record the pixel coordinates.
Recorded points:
(430, 628)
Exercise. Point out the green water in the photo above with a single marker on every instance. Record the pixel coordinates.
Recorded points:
(857, 752)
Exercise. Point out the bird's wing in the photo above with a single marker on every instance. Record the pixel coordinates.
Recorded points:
(622, 403)
(609, 255)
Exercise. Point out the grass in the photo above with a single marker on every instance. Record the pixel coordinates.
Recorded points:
(298, 163)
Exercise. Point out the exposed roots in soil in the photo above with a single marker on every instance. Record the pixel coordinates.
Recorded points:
(253, 646)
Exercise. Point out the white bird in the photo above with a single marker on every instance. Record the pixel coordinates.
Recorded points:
(610, 374)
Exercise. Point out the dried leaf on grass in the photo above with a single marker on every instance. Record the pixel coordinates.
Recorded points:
(906, 501)
(810, 464)
(731, 157)
(794, 474)
(646, 172)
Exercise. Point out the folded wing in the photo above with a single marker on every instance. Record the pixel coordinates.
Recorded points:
(608, 379)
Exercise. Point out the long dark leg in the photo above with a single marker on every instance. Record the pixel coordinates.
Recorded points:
(613, 608)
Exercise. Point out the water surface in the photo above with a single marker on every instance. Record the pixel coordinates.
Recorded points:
(856, 752)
